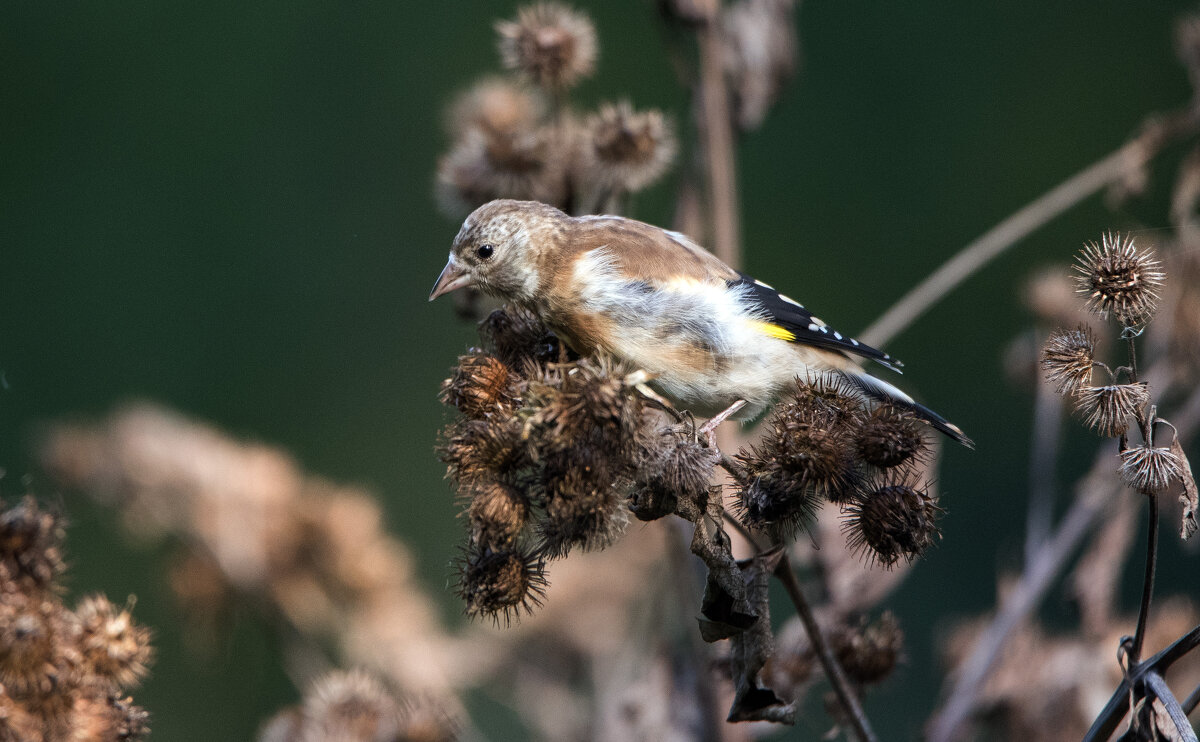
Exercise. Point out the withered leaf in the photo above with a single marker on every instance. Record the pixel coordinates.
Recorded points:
(1190, 497)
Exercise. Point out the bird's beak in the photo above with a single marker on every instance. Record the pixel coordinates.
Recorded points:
(453, 277)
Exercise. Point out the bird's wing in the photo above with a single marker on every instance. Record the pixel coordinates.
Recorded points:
(643, 252)
(796, 324)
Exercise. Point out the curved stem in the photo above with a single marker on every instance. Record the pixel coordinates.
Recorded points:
(833, 670)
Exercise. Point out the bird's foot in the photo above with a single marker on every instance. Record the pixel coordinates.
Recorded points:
(709, 429)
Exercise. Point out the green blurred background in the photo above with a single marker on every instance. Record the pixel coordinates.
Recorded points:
(226, 207)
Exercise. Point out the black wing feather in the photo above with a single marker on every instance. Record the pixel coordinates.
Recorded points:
(799, 321)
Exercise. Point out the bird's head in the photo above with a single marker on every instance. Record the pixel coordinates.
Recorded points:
(498, 249)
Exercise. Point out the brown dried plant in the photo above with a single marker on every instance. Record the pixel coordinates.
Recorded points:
(64, 673)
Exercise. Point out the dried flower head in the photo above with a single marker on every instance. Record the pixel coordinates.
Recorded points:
(869, 652)
(623, 149)
(350, 706)
(586, 405)
(484, 450)
(497, 107)
(519, 338)
(681, 468)
(1119, 279)
(1107, 409)
(1068, 357)
(892, 522)
(551, 44)
(527, 164)
(114, 648)
(33, 637)
(777, 503)
(499, 584)
(481, 385)
(583, 507)
(1187, 46)
(760, 55)
(498, 513)
(830, 394)
(890, 437)
(30, 543)
(1150, 469)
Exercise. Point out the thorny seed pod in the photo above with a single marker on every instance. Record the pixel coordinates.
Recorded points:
(778, 503)
(810, 443)
(1068, 357)
(496, 107)
(481, 385)
(869, 652)
(528, 164)
(893, 522)
(31, 543)
(623, 149)
(1107, 409)
(586, 406)
(551, 44)
(32, 638)
(498, 513)
(499, 584)
(350, 706)
(114, 648)
(1119, 279)
(519, 338)
(583, 509)
(890, 437)
(1150, 469)
(682, 468)
(481, 450)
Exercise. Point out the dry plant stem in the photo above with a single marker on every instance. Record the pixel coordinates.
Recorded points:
(1189, 704)
(1134, 154)
(1135, 650)
(1159, 689)
(1047, 428)
(715, 125)
(837, 678)
(1094, 491)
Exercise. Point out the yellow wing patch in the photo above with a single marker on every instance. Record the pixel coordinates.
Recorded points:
(771, 330)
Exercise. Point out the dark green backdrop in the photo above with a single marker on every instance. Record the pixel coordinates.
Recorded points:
(225, 207)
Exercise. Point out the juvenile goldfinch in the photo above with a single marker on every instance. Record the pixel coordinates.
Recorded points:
(708, 335)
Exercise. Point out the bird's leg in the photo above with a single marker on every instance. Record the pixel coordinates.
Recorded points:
(710, 428)
(638, 380)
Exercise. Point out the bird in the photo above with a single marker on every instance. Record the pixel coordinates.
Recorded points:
(709, 337)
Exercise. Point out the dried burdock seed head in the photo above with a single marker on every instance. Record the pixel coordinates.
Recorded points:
(827, 394)
(31, 543)
(624, 149)
(685, 467)
(103, 718)
(1068, 357)
(586, 406)
(890, 437)
(496, 107)
(524, 164)
(869, 652)
(778, 504)
(32, 639)
(518, 337)
(500, 584)
(892, 522)
(1107, 409)
(131, 722)
(350, 706)
(551, 44)
(114, 649)
(498, 513)
(583, 509)
(481, 385)
(483, 450)
(1119, 279)
(811, 443)
(1150, 469)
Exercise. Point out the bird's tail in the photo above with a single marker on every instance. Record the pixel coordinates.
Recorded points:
(885, 392)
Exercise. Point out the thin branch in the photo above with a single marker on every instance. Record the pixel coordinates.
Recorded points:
(715, 126)
(833, 670)
(1135, 650)
(1129, 158)
(1189, 704)
(1043, 452)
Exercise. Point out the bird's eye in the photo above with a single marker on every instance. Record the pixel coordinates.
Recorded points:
(484, 251)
